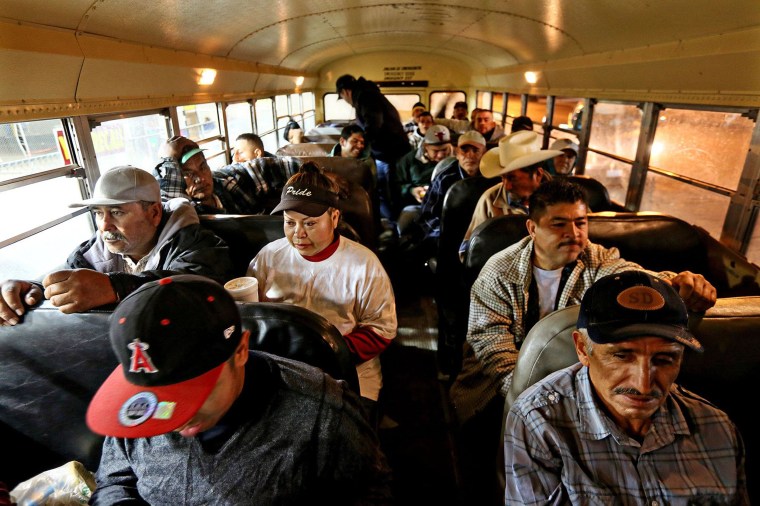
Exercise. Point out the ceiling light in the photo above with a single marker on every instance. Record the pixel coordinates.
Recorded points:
(207, 77)
(531, 77)
(299, 80)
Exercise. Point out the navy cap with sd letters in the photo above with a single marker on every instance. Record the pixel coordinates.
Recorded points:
(634, 304)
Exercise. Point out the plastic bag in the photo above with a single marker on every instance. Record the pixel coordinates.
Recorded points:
(70, 484)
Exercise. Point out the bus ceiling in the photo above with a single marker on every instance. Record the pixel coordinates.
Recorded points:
(84, 57)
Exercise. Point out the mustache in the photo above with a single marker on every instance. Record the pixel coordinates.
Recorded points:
(113, 236)
(656, 394)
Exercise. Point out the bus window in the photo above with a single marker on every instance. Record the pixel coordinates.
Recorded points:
(129, 141)
(239, 120)
(403, 102)
(35, 197)
(614, 131)
(31, 147)
(309, 113)
(706, 146)
(565, 115)
(295, 104)
(32, 258)
(264, 109)
(442, 102)
(514, 105)
(336, 109)
(537, 112)
(199, 121)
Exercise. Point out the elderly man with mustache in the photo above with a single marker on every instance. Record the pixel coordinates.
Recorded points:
(139, 239)
(550, 269)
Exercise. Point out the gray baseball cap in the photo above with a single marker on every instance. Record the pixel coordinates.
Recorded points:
(122, 185)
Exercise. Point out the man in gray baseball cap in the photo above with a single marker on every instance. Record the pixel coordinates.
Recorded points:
(139, 239)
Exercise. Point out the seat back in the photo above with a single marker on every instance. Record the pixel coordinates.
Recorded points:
(300, 334)
(362, 208)
(597, 196)
(452, 294)
(729, 332)
(245, 235)
(305, 149)
(52, 364)
(655, 241)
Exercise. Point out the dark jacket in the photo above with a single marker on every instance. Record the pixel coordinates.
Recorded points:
(183, 247)
(381, 122)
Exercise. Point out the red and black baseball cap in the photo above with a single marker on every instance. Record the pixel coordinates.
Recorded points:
(172, 337)
(634, 304)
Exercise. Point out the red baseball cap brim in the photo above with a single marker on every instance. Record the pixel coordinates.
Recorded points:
(123, 409)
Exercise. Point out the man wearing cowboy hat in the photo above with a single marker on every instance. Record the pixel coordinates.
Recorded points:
(548, 270)
(517, 160)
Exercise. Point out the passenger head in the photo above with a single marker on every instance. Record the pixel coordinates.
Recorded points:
(473, 114)
(424, 121)
(126, 204)
(460, 110)
(558, 223)
(470, 148)
(345, 87)
(564, 163)
(632, 331)
(248, 146)
(522, 123)
(437, 143)
(417, 109)
(351, 141)
(484, 122)
(309, 204)
(182, 354)
(517, 160)
(197, 180)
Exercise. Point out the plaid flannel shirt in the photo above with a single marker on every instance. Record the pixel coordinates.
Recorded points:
(242, 188)
(498, 304)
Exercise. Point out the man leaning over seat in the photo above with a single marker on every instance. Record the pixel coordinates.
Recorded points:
(138, 240)
(240, 188)
(548, 270)
(615, 426)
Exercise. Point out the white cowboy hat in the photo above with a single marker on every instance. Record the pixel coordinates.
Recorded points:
(515, 151)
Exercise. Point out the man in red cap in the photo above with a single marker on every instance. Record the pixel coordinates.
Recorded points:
(192, 416)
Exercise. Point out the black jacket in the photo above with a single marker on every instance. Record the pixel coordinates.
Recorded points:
(381, 122)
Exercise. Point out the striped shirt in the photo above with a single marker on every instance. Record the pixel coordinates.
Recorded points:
(561, 448)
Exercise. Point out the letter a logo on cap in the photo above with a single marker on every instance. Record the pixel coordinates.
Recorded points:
(140, 361)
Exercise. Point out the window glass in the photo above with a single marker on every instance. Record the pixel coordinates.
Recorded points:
(753, 250)
(32, 147)
(567, 113)
(198, 121)
(129, 141)
(32, 258)
(690, 203)
(281, 105)
(308, 101)
(615, 129)
(611, 173)
(309, 121)
(215, 154)
(537, 112)
(403, 104)
(295, 104)
(704, 145)
(264, 116)
(56, 194)
(483, 99)
(270, 142)
(514, 105)
(442, 103)
(337, 109)
(238, 120)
